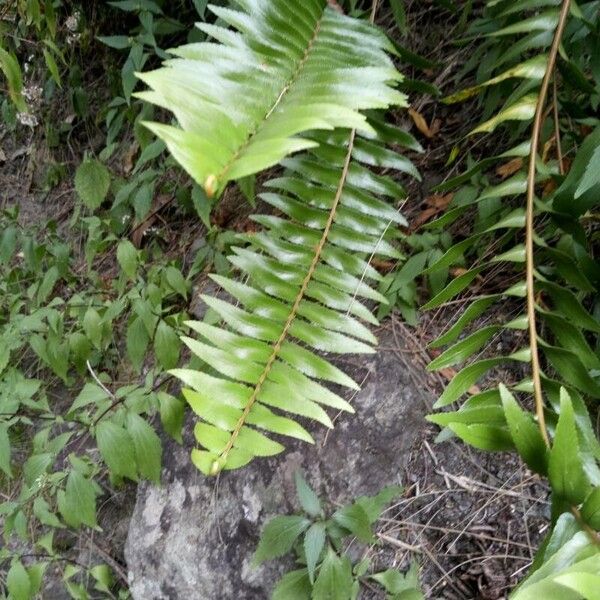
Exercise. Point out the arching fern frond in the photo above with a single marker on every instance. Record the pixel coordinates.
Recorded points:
(545, 253)
(289, 68)
(308, 283)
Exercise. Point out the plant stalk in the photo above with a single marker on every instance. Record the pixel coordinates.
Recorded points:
(529, 223)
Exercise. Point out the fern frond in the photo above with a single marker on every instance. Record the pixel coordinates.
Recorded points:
(241, 102)
(307, 286)
(548, 278)
(287, 69)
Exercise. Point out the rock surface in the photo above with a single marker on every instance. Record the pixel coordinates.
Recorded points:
(193, 538)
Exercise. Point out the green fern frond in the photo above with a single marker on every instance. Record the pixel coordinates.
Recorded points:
(554, 287)
(307, 286)
(288, 68)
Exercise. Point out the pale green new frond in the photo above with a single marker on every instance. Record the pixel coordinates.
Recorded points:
(285, 68)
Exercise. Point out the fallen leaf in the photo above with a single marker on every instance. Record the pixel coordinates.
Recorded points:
(509, 168)
(440, 201)
(129, 158)
(420, 122)
(437, 204)
(383, 266)
(547, 147)
(549, 187)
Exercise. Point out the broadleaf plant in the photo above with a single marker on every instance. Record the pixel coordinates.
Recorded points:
(307, 273)
(319, 542)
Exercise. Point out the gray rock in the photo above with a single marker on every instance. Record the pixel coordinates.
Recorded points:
(193, 538)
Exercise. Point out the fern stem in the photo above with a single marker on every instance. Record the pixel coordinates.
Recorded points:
(220, 462)
(531, 303)
(530, 229)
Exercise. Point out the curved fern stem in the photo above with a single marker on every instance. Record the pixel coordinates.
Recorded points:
(530, 229)
(219, 463)
(529, 244)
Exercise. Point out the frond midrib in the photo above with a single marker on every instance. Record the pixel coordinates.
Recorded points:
(220, 462)
(284, 91)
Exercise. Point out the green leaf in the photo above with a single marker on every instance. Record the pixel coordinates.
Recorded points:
(5, 450)
(92, 181)
(79, 504)
(177, 281)
(52, 66)
(48, 282)
(590, 511)
(565, 470)
(399, 13)
(308, 498)
(314, 542)
(525, 433)
(36, 576)
(591, 175)
(355, 519)
(464, 349)
(579, 190)
(531, 69)
(278, 537)
(464, 379)
(334, 581)
(375, 505)
(18, 582)
(522, 110)
(117, 450)
(119, 42)
(166, 346)
(482, 436)
(127, 256)
(104, 578)
(586, 584)
(293, 586)
(200, 6)
(90, 394)
(137, 340)
(395, 582)
(8, 244)
(41, 509)
(92, 326)
(172, 413)
(147, 447)
(12, 71)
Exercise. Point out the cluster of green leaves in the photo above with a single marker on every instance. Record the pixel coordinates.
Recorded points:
(65, 337)
(307, 272)
(39, 16)
(509, 66)
(318, 544)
